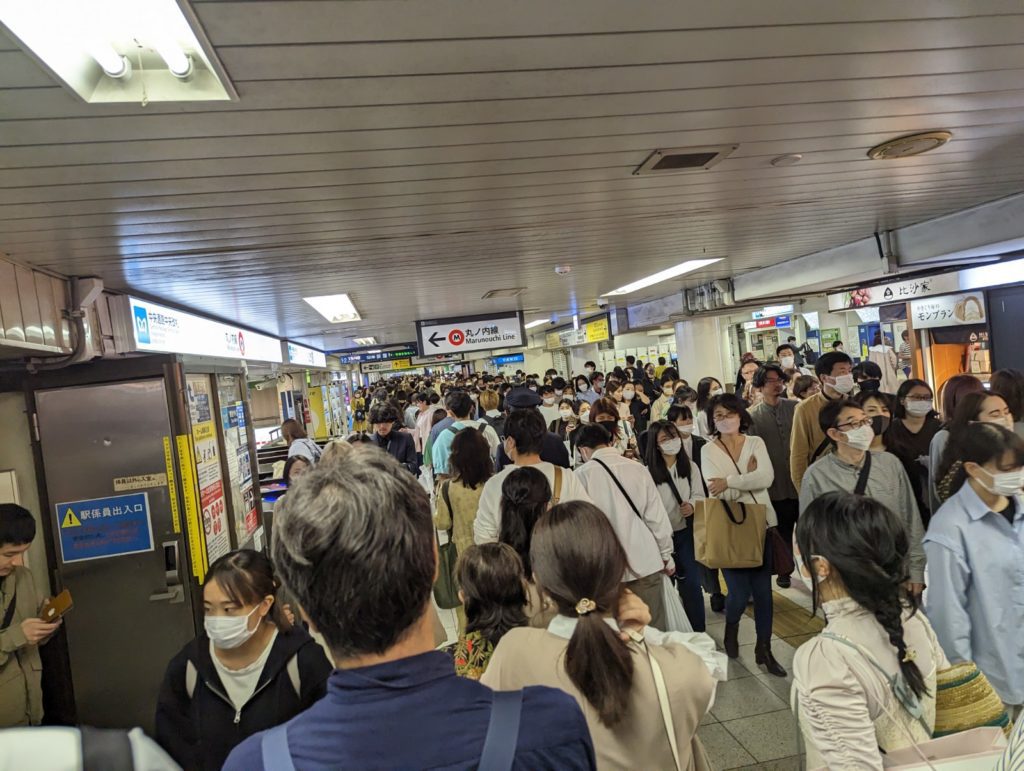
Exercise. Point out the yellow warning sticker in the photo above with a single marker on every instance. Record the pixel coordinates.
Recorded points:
(70, 520)
(171, 488)
(193, 517)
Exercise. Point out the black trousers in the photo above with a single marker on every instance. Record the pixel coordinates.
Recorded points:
(787, 511)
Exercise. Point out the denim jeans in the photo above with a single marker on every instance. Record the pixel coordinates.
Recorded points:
(688, 578)
(744, 582)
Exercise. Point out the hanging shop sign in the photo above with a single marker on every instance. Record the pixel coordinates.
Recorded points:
(470, 333)
(952, 310)
(776, 322)
(303, 356)
(359, 355)
(104, 527)
(595, 330)
(895, 292)
(156, 328)
(512, 358)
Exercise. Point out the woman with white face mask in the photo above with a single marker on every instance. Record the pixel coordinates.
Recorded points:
(914, 424)
(975, 544)
(253, 668)
(679, 484)
(707, 389)
(978, 407)
(852, 468)
(737, 468)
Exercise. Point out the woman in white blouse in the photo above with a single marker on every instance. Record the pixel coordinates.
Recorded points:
(737, 468)
(679, 484)
(856, 551)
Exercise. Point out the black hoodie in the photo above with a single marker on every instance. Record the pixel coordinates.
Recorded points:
(200, 731)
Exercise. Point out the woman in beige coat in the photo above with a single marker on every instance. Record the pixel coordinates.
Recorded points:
(856, 550)
(611, 671)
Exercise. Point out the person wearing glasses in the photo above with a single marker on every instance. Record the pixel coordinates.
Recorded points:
(852, 468)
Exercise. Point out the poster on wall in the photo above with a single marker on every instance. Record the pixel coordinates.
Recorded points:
(953, 310)
(208, 472)
(238, 459)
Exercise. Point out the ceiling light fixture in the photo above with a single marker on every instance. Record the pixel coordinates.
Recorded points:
(172, 57)
(364, 340)
(536, 323)
(787, 160)
(336, 308)
(682, 268)
(910, 145)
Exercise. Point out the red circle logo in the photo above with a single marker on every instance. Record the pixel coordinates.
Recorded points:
(455, 337)
(241, 344)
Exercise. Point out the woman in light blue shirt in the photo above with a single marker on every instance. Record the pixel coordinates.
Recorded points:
(975, 548)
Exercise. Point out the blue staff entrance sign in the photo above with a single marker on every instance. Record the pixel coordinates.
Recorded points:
(104, 527)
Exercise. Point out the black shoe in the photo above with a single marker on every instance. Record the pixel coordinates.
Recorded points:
(731, 643)
(784, 582)
(718, 603)
(764, 658)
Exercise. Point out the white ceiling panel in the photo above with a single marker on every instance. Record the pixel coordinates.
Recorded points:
(417, 154)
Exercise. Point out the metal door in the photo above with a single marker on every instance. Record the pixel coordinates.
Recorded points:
(132, 612)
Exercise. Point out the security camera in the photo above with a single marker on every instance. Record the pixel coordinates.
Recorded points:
(602, 302)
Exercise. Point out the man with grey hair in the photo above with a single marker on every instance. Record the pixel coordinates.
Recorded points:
(355, 544)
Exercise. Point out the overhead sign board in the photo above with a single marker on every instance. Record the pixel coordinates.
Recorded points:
(158, 329)
(470, 333)
(104, 527)
(776, 322)
(772, 310)
(426, 361)
(595, 330)
(952, 310)
(359, 355)
(895, 292)
(512, 358)
(385, 366)
(303, 356)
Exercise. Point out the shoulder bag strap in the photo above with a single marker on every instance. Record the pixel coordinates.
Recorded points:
(666, 708)
(893, 681)
(673, 488)
(737, 466)
(293, 674)
(448, 503)
(619, 485)
(557, 493)
(499, 751)
(819, 450)
(865, 472)
(106, 749)
(9, 613)
(274, 746)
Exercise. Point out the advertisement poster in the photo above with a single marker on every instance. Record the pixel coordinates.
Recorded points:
(208, 473)
(236, 455)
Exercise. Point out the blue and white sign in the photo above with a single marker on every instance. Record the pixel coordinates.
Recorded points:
(512, 358)
(104, 527)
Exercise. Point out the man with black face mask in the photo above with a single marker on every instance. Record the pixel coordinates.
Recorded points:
(868, 376)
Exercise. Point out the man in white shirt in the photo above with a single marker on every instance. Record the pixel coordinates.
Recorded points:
(549, 404)
(524, 436)
(624, 490)
(461, 407)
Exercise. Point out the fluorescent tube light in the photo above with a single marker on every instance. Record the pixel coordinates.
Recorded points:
(536, 323)
(364, 340)
(113, 63)
(682, 268)
(336, 308)
(178, 62)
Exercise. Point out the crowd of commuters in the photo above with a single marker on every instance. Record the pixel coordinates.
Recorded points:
(579, 509)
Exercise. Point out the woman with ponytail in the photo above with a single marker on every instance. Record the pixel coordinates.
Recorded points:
(525, 496)
(866, 684)
(604, 663)
(975, 546)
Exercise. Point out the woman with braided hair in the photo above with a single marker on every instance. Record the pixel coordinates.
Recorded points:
(866, 684)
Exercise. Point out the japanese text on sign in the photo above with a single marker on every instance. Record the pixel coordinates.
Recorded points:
(104, 527)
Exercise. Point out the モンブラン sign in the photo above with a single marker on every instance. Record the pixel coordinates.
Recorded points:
(470, 333)
(952, 310)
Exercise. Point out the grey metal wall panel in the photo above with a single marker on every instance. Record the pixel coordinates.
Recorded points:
(49, 316)
(10, 305)
(29, 305)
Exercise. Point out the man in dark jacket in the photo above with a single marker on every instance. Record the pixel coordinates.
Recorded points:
(198, 724)
(355, 543)
(394, 442)
(553, 450)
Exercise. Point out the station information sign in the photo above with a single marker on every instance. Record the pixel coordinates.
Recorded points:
(596, 330)
(303, 356)
(159, 329)
(470, 333)
(393, 353)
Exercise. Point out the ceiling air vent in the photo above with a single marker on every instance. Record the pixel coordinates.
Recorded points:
(681, 159)
(495, 293)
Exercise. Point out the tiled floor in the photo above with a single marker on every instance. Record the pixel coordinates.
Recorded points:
(750, 726)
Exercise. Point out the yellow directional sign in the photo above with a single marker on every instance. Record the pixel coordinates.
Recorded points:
(70, 520)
